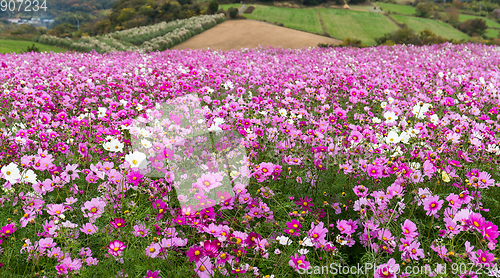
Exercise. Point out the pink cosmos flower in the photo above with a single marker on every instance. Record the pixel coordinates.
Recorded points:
(387, 270)
(454, 201)
(476, 221)
(344, 227)
(305, 203)
(118, 223)
(432, 205)
(93, 209)
(204, 268)
(490, 232)
(8, 230)
(298, 263)
(46, 243)
(409, 229)
(153, 250)
(414, 252)
(195, 253)
(485, 258)
(116, 248)
(89, 229)
(152, 274)
(140, 230)
(317, 233)
(293, 227)
(55, 209)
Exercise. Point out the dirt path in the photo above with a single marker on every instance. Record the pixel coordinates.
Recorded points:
(246, 33)
(242, 9)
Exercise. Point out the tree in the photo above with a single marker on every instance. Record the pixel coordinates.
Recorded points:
(126, 14)
(423, 10)
(473, 27)
(213, 6)
(452, 15)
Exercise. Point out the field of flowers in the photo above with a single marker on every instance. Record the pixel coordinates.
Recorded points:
(253, 163)
(141, 39)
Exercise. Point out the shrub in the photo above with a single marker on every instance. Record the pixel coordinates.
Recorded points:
(213, 6)
(352, 42)
(473, 27)
(233, 12)
(32, 48)
(423, 10)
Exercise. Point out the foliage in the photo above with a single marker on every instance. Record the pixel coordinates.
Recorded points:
(145, 39)
(424, 10)
(214, 6)
(407, 35)
(233, 12)
(473, 27)
(32, 48)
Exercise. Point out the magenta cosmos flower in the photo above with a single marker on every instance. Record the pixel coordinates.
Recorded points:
(116, 248)
(152, 274)
(293, 227)
(387, 270)
(432, 205)
(118, 223)
(305, 203)
(298, 263)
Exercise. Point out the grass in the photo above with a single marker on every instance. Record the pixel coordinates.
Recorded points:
(438, 27)
(364, 26)
(489, 22)
(227, 6)
(400, 9)
(492, 33)
(13, 46)
(299, 19)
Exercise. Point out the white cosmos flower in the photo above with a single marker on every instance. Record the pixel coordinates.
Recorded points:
(303, 251)
(306, 242)
(11, 173)
(283, 240)
(113, 146)
(282, 112)
(434, 119)
(145, 143)
(404, 137)
(29, 176)
(414, 165)
(376, 120)
(392, 138)
(136, 160)
(414, 132)
(390, 117)
(101, 112)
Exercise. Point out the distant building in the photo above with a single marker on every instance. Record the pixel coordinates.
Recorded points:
(14, 20)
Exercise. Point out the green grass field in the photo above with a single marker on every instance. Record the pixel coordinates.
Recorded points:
(400, 9)
(489, 22)
(440, 28)
(365, 26)
(299, 19)
(492, 33)
(227, 6)
(11, 46)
